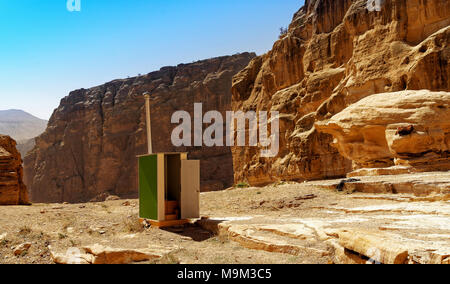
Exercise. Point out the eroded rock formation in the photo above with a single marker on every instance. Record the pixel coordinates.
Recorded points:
(99, 254)
(407, 128)
(89, 148)
(337, 52)
(12, 188)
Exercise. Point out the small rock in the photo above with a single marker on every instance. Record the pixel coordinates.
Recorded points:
(97, 229)
(72, 256)
(146, 224)
(306, 197)
(112, 198)
(130, 236)
(3, 236)
(106, 255)
(18, 250)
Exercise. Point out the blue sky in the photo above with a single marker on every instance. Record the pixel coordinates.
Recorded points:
(47, 51)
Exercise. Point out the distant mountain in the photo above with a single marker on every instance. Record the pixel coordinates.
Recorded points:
(22, 127)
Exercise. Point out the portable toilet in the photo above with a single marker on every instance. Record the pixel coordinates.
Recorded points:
(169, 184)
(169, 189)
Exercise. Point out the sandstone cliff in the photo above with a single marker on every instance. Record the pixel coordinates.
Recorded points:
(93, 137)
(12, 188)
(337, 52)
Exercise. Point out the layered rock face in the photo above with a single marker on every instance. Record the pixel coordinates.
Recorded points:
(89, 148)
(336, 53)
(407, 128)
(12, 188)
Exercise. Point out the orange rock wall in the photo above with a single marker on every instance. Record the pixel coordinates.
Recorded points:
(336, 53)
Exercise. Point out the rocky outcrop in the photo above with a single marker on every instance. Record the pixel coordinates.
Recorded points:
(89, 148)
(337, 52)
(425, 186)
(12, 188)
(407, 128)
(391, 226)
(99, 254)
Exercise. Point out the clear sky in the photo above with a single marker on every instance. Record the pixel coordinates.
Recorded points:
(47, 51)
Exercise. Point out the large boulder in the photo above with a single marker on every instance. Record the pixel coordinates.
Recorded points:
(407, 128)
(99, 254)
(12, 189)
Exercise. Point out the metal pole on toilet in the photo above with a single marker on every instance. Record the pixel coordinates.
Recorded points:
(149, 125)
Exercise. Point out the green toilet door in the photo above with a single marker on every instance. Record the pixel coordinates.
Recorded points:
(148, 187)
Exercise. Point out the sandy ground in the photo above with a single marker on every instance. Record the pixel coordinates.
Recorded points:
(115, 223)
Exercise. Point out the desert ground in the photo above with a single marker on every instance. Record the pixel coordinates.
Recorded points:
(313, 222)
